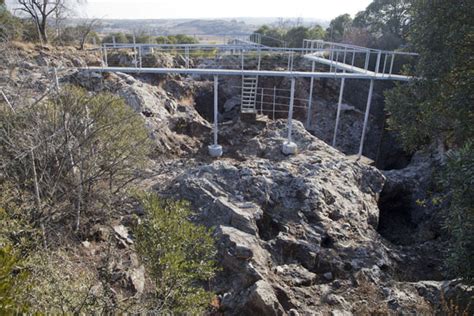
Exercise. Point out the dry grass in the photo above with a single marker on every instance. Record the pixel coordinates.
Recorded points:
(453, 306)
(24, 46)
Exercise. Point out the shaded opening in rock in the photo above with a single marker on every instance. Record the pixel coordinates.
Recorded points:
(147, 113)
(390, 154)
(204, 102)
(268, 228)
(327, 241)
(283, 299)
(395, 221)
(204, 99)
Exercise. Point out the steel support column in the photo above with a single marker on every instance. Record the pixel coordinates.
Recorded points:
(290, 148)
(338, 115)
(366, 118)
(215, 150)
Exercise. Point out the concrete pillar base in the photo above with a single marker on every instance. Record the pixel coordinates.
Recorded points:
(215, 150)
(289, 148)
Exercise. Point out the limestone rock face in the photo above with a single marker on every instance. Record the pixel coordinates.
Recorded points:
(296, 235)
(292, 231)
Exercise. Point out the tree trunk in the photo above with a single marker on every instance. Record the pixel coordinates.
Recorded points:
(43, 30)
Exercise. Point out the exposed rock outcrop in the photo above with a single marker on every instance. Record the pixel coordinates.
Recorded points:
(296, 235)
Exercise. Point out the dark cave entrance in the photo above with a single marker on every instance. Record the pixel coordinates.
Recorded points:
(204, 100)
(268, 228)
(395, 220)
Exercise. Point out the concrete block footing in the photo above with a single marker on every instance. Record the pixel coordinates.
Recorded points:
(215, 150)
(289, 148)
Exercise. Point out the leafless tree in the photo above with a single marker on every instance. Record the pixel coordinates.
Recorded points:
(85, 29)
(41, 10)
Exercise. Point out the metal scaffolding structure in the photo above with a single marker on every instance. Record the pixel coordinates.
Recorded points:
(248, 58)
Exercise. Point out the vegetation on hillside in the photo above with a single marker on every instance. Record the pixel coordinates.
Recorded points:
(70, 160)
(178, 256)
(384, 24)
(436, 108)
(66, 163)
(148, 39)
(10, 27)
(289, 37)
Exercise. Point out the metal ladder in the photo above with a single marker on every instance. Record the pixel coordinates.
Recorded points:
(249, 94)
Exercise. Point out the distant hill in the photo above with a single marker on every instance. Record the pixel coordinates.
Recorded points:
(191, 26)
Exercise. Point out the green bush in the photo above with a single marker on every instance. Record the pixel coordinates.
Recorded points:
(178, 256)
(119, 38)
(74, 152)
(292, 37)
(62, 284)
(12, 281)
(16, 239)
(436, 108)
(11, 28)
(459, 178)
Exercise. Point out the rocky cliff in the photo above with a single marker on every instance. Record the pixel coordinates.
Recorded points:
(296, 235)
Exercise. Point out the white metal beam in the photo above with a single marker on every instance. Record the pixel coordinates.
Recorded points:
(233, 72)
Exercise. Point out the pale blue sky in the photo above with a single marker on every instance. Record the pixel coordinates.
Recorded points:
(149, 9)
(171, 9)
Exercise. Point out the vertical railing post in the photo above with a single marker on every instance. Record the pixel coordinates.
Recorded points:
(274, 101)
(338, 115)
(101, 50)
(367, 58)
(391, 63)
(366, 118)
(215, 150)
(259, 58)
(310, 99)
(186, 54)
(135, 50)
(140, 56)
(289, 60)
(332, 55)
(353, 59)
(377, 64)
(106, 59)
(292, 60)
(261, 103)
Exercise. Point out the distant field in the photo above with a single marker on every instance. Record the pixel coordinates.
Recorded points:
(198, 27)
